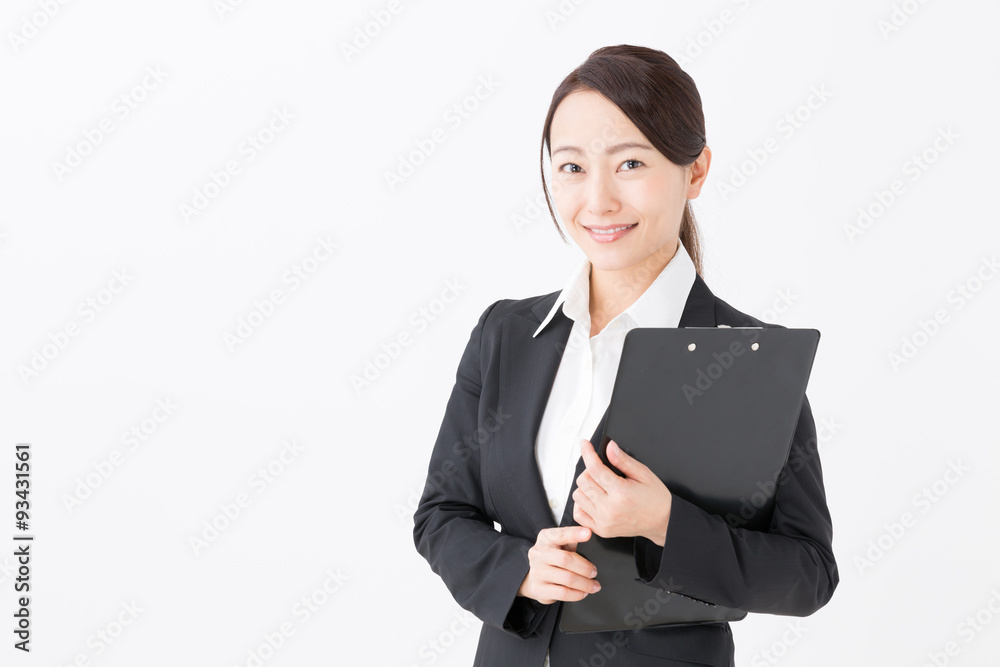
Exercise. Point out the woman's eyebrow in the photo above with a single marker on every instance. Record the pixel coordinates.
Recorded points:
(616, 148)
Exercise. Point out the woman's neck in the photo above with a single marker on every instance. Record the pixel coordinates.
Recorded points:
(611, 292)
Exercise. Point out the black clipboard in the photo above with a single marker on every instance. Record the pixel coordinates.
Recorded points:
(712, 411)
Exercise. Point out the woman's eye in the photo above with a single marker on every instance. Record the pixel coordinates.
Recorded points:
(631, 162)
(571, 165)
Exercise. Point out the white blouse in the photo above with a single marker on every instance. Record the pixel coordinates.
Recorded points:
(586, 375)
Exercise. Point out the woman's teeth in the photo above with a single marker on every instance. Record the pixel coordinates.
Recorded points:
(612, 231)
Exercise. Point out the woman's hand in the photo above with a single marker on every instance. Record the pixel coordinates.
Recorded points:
(615, 506)
(556, 571)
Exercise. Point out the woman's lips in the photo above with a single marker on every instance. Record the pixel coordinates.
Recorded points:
(610, 236)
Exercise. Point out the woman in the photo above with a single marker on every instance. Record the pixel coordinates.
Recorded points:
(512, 484)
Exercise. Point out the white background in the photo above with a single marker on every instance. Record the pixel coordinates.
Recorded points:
(777, 247)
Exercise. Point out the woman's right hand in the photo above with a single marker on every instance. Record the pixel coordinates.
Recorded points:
(556, 571)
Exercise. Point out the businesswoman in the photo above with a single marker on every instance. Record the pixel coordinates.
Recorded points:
(513, 483)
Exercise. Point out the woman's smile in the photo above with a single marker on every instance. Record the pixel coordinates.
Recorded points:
(610, 233)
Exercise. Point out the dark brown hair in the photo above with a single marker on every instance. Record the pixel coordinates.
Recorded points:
(658, 97)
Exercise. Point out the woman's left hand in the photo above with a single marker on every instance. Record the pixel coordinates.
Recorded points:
(615, 506)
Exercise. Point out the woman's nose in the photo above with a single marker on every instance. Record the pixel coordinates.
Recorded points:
(602, 195)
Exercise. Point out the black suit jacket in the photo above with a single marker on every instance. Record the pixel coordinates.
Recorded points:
(483, 470)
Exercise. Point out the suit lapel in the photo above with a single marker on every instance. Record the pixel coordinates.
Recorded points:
(527, 373)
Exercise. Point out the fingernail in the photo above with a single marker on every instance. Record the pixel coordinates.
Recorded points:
(593, 573)
(597, 586)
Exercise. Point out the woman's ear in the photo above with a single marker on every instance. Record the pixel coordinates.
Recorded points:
(697, 172)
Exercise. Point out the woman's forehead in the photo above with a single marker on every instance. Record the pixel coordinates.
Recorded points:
(586, 116)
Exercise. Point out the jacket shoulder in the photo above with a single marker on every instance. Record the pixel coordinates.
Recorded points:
(532, 307)
(727, 314)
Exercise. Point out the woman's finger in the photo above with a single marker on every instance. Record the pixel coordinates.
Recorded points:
(592, 489)
(562, 536)
(632, 467)
(569, 561)
(572, 580)
(602, 475)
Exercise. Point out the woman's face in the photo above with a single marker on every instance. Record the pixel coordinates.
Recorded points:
(606, 175)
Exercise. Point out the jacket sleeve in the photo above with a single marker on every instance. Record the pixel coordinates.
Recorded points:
(481, 567)
(788, 569)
